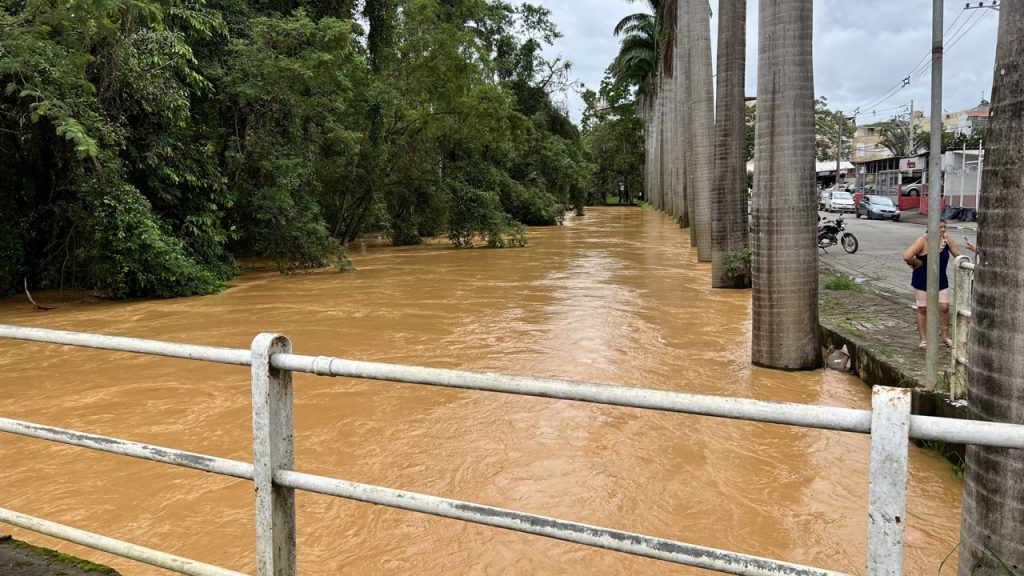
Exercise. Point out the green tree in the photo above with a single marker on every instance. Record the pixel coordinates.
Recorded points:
(287, 82)
(637, 64)
(785, 271)
(152, 146)
(829, 126)
(613, 137)
(898, 140)
(952, 140)
(73, 95)
(993, 510)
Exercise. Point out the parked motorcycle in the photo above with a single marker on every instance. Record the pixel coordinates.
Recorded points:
(832, 232)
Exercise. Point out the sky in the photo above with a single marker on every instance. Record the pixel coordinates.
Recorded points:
(863, 49)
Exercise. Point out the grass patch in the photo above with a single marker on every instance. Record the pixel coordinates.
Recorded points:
(843, 282)
(847, 326)
(884, 350)
(952, 456)
(66, 559)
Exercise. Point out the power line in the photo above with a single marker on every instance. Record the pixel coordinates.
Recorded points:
(920, 70)
(952, 43)
(926, 59)
(874, 113)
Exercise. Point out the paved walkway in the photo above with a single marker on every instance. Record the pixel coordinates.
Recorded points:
(878, 326)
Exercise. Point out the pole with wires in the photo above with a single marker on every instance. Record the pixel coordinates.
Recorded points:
(934, 195)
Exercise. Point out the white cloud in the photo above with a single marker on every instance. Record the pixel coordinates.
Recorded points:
(862, 49)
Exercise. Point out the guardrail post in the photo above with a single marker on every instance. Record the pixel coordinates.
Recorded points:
(887, 495)
(273, 449)
(960, 324)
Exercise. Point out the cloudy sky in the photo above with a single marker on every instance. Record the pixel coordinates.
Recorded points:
(863, 49)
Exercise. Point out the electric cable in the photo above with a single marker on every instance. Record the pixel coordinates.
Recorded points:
(918, 70)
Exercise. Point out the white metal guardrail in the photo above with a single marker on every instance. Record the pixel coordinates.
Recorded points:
(272, 363)
(960, 319)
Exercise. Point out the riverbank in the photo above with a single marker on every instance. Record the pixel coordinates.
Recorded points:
(18, 558)
(880, 333)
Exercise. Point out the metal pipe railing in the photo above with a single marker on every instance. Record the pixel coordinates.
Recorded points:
(960, 329)
(118, 547)
(272, 364)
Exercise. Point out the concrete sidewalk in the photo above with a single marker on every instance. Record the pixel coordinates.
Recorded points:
(881, 335)
(922, 219)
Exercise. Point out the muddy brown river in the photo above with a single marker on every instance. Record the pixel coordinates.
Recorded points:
(615, 297)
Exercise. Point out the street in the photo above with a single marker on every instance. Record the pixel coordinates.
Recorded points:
(878, 262)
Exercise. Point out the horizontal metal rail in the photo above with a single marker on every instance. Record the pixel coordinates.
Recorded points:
(616, 540)
(272, 364)
(595, 536)
(809, 416)
(217, 354)
(222, 466)
(113, 546)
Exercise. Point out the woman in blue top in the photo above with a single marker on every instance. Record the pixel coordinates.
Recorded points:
(917, 258)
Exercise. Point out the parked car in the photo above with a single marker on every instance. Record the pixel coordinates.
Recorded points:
(878, 207)
(839, 201)
(822, 197)
(911, 188)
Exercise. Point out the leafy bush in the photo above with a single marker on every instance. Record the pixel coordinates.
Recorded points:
(737, 265)
(533, 206)
(477, 213)
(131, 256)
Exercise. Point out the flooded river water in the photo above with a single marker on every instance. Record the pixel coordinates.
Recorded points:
(615, 296)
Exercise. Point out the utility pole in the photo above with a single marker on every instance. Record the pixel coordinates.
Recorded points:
(912, 145)
(934, 194)
(993, 6)
(839, 144)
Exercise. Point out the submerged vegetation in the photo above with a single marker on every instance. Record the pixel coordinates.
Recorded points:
(149, 144)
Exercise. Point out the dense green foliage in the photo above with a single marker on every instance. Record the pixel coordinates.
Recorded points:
(613, 134)
(149, 143)
(828, 125)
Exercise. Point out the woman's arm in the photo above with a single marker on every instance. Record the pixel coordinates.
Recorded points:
(910, 255)
(953, 248)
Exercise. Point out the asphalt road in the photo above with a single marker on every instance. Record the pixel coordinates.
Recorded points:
(878, 261)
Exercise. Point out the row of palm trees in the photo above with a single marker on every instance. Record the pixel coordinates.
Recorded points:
(695, 165)
(695, 171)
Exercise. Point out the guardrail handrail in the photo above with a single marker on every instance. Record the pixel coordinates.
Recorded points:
(889, 422)
(960, 320)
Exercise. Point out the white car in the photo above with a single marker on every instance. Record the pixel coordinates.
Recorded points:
(840, 201)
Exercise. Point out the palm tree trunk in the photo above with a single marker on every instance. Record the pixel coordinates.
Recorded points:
(729, 237)
(702, 121)
(992, 524)
(785, 258)
(668, 125)
(659, 123)
(676, 17)
(643, 103)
